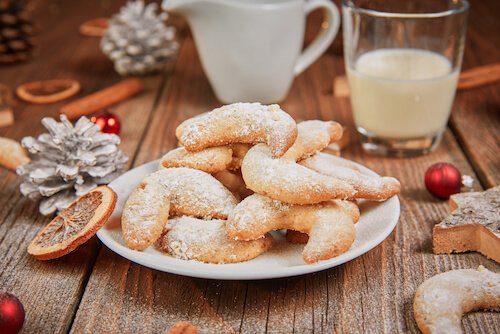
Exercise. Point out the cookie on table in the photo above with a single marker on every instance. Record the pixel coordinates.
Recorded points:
(473, 225)
(441, 301)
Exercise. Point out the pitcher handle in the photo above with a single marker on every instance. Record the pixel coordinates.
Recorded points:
(325, 36)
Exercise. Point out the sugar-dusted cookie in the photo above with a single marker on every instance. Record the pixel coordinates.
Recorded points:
(189, 238)
(285, 180)
(296, 237)
(367, 186)
(329, 225)
(174, 191)
(240, 123)
(473, 225)
(12, 154)
(313, 136)
(441, 301)
(210, 160)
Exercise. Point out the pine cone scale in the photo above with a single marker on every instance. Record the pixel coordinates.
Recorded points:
(137, 40)
(16, 32)
(68, 161)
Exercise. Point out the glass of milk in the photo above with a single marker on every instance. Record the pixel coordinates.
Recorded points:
(403, 60)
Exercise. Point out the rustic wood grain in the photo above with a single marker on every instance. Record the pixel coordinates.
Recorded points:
(476, 115)
(371, 294)
(51, 291)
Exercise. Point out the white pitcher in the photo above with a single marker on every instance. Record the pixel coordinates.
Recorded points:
(252, 49)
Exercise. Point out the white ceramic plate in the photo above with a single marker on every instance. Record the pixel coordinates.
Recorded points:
(284, 259)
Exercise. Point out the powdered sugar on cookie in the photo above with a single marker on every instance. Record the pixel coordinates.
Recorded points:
(240, 123)
(288, 195)
(285, 180)
(174, 191)
(441, 301)
(330, 226)
(190, 238)
(367, 186)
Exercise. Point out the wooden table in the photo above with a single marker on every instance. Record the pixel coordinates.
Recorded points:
(94, 290)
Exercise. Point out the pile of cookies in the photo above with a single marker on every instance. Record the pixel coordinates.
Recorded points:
(242, 171)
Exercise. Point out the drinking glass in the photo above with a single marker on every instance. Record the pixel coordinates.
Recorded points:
(403, 61)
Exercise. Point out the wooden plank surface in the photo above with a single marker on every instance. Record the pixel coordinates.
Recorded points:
(476, 115)
(372, 293)
(51, 291)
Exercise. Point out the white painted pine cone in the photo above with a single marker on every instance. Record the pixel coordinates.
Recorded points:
(138, 41)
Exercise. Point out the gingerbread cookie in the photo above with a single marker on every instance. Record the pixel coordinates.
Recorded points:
(473, 225)
(240, 123)
(174, 191)
(329, 225)
(189, 238)
(441, 301)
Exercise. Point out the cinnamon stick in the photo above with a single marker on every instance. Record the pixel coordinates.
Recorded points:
(103, 98)
(95, 27)
(479, 76)
(473, 78)
(6, 102)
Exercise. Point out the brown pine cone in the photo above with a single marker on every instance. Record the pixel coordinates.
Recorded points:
(16, 32)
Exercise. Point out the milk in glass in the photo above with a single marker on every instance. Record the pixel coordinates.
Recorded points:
(401, 93)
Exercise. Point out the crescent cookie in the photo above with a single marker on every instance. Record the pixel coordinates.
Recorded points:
(285, 180)
(296, 237)
(240, 123)
(441, 301)
(330, 227)
(313, 136)
(189, 238)
(210, 160)
(366, 186)
(174, 191)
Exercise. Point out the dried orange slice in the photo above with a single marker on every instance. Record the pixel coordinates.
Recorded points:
(74, 225)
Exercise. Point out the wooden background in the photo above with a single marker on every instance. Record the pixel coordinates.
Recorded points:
(93, 290)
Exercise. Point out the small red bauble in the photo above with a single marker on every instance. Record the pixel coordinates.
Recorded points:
(11, 314)
(443, 180)
(108, 122)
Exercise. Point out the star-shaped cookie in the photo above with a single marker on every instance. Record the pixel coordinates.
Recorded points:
(473, 225)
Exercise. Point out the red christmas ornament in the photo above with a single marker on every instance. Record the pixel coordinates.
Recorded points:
(443, 180)
(108, 122)
(11, 314)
